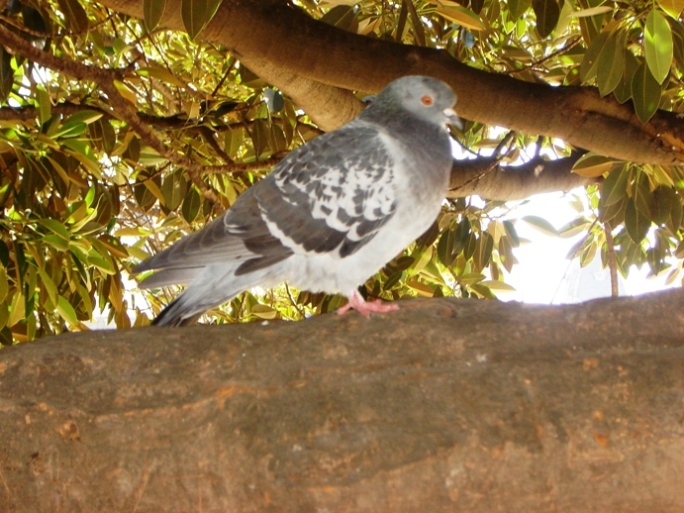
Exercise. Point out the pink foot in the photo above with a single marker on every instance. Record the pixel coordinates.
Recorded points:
(364, 307)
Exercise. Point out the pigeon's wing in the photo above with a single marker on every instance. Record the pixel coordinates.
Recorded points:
(330, 195)
(239, 235)
(333, 194)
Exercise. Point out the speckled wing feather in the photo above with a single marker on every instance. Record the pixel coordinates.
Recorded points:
(326, 198)
(318, 199)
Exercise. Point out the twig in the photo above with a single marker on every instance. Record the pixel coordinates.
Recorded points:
(612, 261)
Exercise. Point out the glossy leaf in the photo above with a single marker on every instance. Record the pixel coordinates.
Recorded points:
(66, 311)
(518, 7)
(343, 17)
(592, 165)
(590, 60)
(196, 14)
(548, 12)
(75, 15)
(645, 93)
(191, 205)
(4, 284)
(610, 65)
(636, 223)
(623, 91)
(44, 105)
(161, 75)
(152, 13)
(540, 224)
(672, 7)
(592, 11)
(658, 45)
(614, 187)
(461, 16)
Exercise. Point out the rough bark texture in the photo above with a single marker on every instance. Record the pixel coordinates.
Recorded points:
(316, 64)
(446, 406)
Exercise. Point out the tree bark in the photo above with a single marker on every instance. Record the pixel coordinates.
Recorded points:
(445, 406)
(317, 64)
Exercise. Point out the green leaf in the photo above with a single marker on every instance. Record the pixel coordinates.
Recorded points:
(86, 116)
(66, 311)
(75, 15)
(548, 12)
(574, 227)
(512, 233)
(590, 61)
(588, 253)
(196, 14)
(623, 91)
(174, 188)
(44, 105)
(645, 93)
(672, 7)
(592, 165)
(541, 224)
(342, 17)
(658, 45)
(152, 13)
(191, 205)
(614, 187)
(260, 137)
(161, 75)
(461, 16)
(592, 11)
(636, 223)
(518, 7)
(663, 199)
(497, 285)
(4, 284)
(48, 285)
(642, 197)
(56, 227)
(125, 91)
(103, 135)
(610, 65)
(483, 251)
(232, 140)
(17, 309)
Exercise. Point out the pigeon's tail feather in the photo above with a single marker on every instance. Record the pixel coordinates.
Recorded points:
(175, 315)
(183, 311)
(214, 287)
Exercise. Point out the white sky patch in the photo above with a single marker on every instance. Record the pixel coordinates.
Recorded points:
(545, 275)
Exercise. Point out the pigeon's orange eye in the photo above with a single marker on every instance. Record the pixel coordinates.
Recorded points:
(426, 100)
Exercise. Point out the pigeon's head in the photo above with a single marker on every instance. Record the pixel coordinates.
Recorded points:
(425, 97)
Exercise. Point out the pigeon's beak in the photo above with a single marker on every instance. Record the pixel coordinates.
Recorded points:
(452, 118)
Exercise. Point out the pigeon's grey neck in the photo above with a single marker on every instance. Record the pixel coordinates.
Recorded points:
(402, 123)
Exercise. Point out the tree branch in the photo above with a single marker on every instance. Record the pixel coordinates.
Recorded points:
(445, 406)
(486, 177)
(298, 54)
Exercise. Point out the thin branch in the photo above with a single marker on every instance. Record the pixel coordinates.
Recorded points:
(612, 261)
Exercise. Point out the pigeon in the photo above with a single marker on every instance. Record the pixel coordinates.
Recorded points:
(331, 214)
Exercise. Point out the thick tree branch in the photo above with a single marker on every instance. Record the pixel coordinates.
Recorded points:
(445, 406)
(282, 44)
(486, 177)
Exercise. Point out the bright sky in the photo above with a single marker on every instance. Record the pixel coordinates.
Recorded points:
(545, 275)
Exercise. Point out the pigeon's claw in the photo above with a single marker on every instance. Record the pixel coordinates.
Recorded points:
(364, 307)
